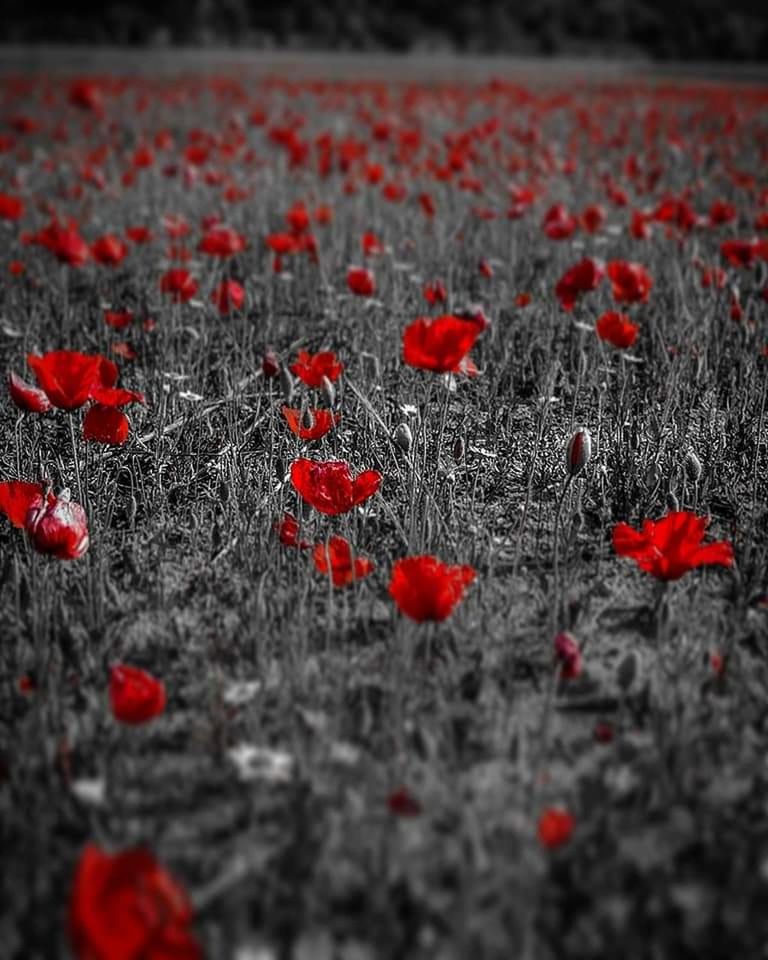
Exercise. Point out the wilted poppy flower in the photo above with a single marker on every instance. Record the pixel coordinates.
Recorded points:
(439, 344)
(67, 377)
(228, 295)
(670, 547)
(617, 329)
(126, 905)
(179, 284)
(555, 827)
(424, 588)
(567, 655)
(26, 397)
(311, 368)
(58, 527)
(104, 424)
(135, 695)
(328, 485)
(109, 250)
(336, 557)
(630, 282)
(222, 242)
(312, 424)
(288, 532)
(361, 281)
(580, 278)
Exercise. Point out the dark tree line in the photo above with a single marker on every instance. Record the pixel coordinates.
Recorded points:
(679, 29)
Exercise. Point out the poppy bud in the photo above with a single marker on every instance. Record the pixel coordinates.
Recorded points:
(270, 364)
(286, 385)
(307, 419)
(567, 655)
(58, 527)
(627, 670)
(692, 467)
(329, 391)
(458, 449)
(403, 437)
(579, 451)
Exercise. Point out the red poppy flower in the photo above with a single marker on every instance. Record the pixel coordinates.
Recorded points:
(58, 527)
(435, 293)
(65, 243)
(592, 218)
(328, 486)
(26, 397)
(631, 282)
(109, 250)
(118, 320)
(402, 803)
(106, 425)
(580, 278)
(138, 235)
(17, 497)
(555, 827)
(439, 344)
(371, 245)
(179, 284)
(288, 532)
(311, 368)
(135, 695)
(297, 218)
(11, 208)
(424, 588)
(558, 223)
(312, 424)
(126, 905)
(617, 329)
(67, 377)
(739, 253)
(228, 295)
(283, 244)
(222, 242)
(115, 396)
(361, 281)
(670, 547)
(336, 557)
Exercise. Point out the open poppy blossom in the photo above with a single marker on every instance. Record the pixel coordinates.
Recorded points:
(630, 282)
(135, 695)
(672, 546)
(616, 329)
(555, 827)
(312, 424)
(335, 557)
(68, 377)
(439, 344)
(228, 296)
(26, 397)
(126, 905)
(104, 424)
(425, 589)
(328, 486)
(57, 527)
(109, 250)
(311, 368)
(179, 284)
(361, 281)
(580, 278)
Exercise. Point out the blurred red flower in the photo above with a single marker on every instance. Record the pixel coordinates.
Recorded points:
(311, 368)
(567, 655)
(630, 282)
(17, 497)
(135, 695)
(11, 208)
(439, 344)
(104, 424)
(555, 827)
(617, 329)
(118, 320)
(402, 803)
(361, 281)
(424, 588)
(328, 486)
(580, 278)
(228, 296)
(126, 905)
(222, 242)
(672, 546)
(435, 293)
(179, 284)
(336, 557)
(109, 250)
(288, 532)
(558, 223)
(312, 424)
(371, 245)
(26, 397)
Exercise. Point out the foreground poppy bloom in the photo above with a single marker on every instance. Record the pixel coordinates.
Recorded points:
(179, 284)
(328, 485)
(555, 827)
(616, 329)
(670, 547)
(630, 282)
(58, 527)
(361, 281)
(335, 557)
(16, 499)
(135, 695)
(312, 424)
(580, 278)
(425, 589)
(311, 368)
(126, 905)
(26, 397)
(68, 377)
(104, 424)
(439, 344)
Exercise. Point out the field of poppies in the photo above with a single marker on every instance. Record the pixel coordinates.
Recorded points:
(383, 515)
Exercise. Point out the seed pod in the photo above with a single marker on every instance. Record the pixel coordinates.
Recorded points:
(579, 451)
(403, 437)
(286, 385)
(692, 467)
(329, 392)
(458, 449)
(307, 419)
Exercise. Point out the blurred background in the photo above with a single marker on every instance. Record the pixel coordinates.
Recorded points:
(656, 29)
